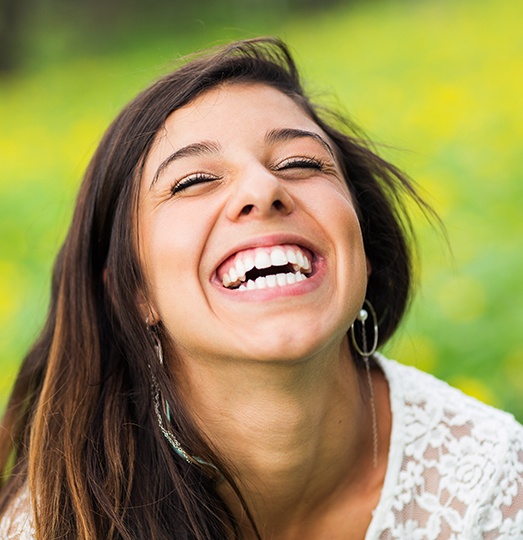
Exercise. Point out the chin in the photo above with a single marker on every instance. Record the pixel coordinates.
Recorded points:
(277, 345)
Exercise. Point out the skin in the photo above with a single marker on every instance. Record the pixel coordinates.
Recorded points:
(268, 374)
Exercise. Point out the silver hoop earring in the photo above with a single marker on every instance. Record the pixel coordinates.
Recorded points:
(158, 401)
(363, 315)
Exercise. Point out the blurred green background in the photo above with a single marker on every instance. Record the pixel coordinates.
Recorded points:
(439, 83)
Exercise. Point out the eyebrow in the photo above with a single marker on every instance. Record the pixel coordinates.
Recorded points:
(194, 149)
(287, 134)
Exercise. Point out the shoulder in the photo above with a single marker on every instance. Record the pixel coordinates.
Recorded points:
(456, 459)
(16, 523)
(431, 403)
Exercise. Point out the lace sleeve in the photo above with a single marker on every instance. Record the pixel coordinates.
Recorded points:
(16, 523)
(501, 515)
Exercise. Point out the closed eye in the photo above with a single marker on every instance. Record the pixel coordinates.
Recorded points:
(301, 163)
(192, 180)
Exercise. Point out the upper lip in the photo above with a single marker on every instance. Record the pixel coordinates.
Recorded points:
(267, 241)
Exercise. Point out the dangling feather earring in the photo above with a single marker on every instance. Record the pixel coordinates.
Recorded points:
(159, 402)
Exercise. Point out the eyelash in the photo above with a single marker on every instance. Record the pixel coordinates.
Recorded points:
(302, 163)
(299, 163)
(198, 178)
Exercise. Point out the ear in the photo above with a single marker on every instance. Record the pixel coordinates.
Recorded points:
(149, 314)
(369, 268)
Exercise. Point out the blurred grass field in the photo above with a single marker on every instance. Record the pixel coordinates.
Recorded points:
(438, 83)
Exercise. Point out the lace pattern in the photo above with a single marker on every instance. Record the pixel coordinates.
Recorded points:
(16, 523)
(455, 466)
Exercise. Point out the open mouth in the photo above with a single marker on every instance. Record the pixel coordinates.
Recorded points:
(266, 267)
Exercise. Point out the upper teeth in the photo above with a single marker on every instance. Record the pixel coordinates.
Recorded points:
(265, 258)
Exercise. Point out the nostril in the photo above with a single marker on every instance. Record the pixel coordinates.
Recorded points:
(247, 209)
(278, 205)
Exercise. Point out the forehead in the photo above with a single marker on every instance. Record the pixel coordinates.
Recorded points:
(234, 109)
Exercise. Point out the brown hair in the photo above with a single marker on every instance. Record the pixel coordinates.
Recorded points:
(80, 427)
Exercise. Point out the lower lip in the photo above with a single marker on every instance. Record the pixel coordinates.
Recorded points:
(260, 295)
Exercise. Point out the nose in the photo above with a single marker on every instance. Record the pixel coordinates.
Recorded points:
(259, 194)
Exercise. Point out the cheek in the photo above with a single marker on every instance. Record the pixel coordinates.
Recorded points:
(343, 227)
(171, 245)
(332, 206)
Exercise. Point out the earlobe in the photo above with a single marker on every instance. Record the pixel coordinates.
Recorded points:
(149, 313)
(153, 319)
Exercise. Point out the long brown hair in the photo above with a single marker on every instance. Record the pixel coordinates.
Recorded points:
(80, 428)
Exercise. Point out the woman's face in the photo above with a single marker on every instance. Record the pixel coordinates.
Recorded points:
(248, 234)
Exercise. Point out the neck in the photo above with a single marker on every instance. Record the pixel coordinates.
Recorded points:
(297, 435)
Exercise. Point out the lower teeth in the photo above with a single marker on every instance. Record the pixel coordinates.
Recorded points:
(272, 281)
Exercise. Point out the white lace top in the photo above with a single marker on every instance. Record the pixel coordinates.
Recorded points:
(455, 468)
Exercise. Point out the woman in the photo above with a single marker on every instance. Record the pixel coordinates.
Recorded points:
(208, 368)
